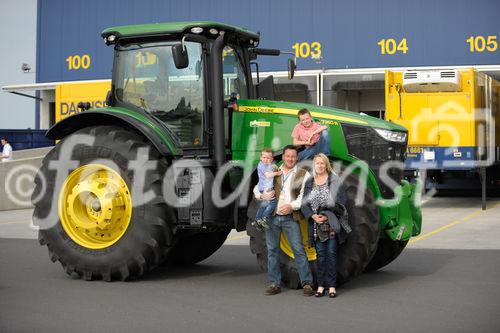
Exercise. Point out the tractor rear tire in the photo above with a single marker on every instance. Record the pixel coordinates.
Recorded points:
(191, 249)
(387, 251)
(147, 238)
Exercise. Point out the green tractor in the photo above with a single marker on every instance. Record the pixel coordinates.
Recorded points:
(165, 171)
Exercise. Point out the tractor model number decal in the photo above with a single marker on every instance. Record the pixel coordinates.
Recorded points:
(329, 122)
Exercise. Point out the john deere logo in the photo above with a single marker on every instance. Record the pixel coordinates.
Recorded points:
(264, 109)
(255, 123)
(261, 109)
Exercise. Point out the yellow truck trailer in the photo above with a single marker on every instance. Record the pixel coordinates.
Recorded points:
(453, 119)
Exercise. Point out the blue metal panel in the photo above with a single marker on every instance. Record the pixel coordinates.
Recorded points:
(26, 139)
(449, 158)
(348, 31)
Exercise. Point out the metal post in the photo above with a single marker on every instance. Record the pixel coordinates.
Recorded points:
(217, 102)
(482, 172)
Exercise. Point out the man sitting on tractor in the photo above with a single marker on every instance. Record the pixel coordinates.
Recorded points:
(312, 135)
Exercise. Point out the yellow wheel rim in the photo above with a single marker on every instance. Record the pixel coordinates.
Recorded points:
(285, 245)
(95, 206)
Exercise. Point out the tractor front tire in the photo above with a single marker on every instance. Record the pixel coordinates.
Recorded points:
(98, 230)
(361, 244)
(387, 251)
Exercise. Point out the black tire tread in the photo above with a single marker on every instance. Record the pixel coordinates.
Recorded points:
(361, 245)
(155, 232)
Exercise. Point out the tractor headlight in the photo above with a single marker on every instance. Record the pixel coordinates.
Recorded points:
(391, 135)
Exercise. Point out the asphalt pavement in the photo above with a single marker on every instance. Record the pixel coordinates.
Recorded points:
(429, 288)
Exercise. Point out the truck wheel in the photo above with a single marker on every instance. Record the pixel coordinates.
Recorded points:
(387, 251)
(194, 248)
(353, 255)
(93, 222)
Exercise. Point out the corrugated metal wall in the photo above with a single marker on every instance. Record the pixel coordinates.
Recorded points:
(349, 32)
(18, 47)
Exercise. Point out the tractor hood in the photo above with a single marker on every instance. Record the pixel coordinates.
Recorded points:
(318, 112)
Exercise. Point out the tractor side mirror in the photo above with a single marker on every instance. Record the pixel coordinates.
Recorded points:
(292, 66)
(180, 55)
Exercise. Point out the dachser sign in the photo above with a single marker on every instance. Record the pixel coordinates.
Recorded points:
(68, 109)
(68, 95)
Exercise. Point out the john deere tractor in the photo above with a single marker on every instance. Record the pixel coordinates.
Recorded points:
(165, 171)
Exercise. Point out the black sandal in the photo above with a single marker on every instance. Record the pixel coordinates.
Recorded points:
(319, 293)
(332, 294)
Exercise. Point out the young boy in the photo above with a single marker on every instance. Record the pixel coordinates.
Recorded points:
(266, 171)
(312, 135)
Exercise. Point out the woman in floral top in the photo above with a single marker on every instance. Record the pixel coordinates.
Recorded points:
(325, 227)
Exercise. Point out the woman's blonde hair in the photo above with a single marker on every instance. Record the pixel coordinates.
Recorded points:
(325, 160)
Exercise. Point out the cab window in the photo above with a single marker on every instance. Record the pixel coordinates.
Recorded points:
(235, 81)
(149, 80)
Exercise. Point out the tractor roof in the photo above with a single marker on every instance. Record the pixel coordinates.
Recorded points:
(175, 28)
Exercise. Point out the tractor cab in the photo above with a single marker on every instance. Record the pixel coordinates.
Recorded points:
(185, 75)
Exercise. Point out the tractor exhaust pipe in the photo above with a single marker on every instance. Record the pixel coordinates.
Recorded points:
(218, 102)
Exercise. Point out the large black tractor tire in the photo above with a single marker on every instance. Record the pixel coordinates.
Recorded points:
(359, 248)
(353, 255)
(387, 251)
(191, 249)
(147, 238)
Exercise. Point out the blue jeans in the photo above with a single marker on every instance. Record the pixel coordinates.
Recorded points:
(326, 262)
(266, 209)
(322, 146)
(294, 236)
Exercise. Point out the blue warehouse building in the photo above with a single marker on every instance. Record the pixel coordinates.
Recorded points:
(342, 47)
(326, 34)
